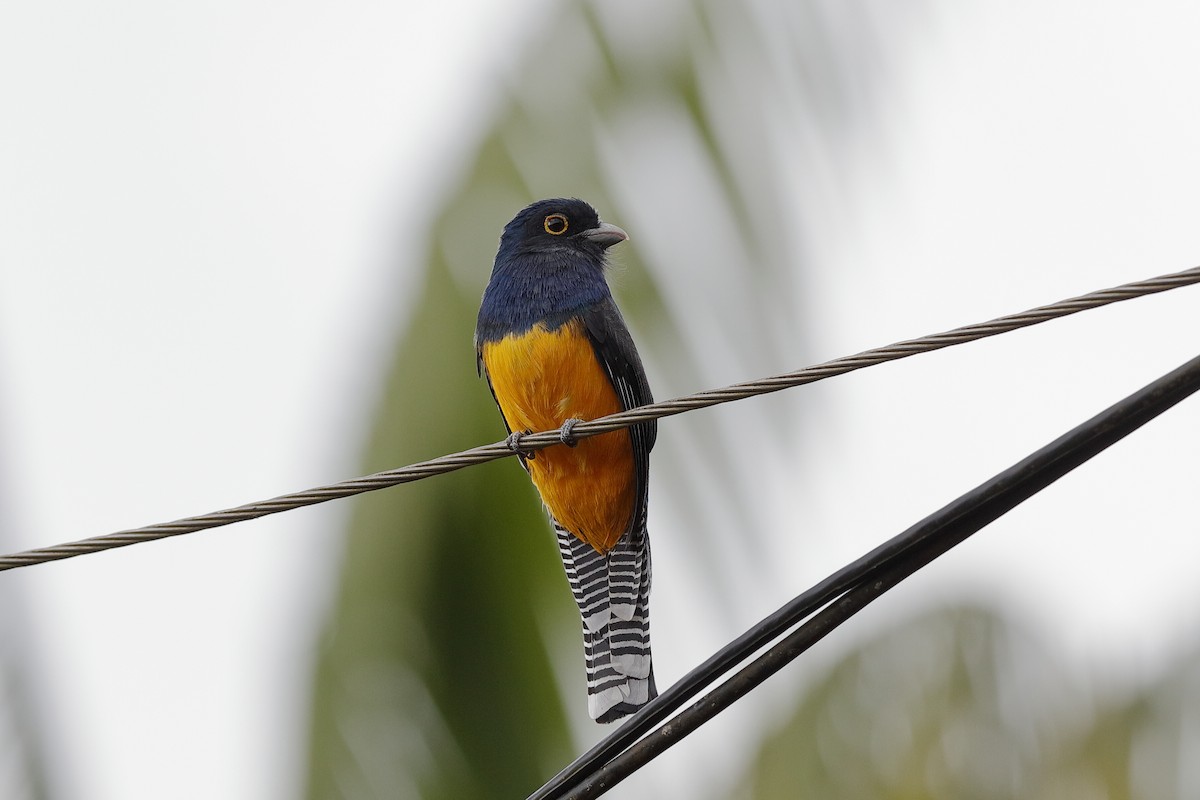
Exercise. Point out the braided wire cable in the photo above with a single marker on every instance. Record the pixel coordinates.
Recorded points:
(538, 441)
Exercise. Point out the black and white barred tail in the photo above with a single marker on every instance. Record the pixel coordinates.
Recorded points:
(612, 591)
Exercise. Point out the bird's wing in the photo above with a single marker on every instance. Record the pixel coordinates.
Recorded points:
(615, 351)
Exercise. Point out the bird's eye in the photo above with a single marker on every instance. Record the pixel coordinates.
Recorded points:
(555, 224)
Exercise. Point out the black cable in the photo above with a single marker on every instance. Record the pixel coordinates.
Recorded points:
(853, 587)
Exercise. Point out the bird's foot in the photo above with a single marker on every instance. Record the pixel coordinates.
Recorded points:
(513, 442)
(564, 433)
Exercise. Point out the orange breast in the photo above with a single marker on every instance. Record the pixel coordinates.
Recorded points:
(543, 378)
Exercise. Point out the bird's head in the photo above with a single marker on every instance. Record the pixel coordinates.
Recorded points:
(556, 225)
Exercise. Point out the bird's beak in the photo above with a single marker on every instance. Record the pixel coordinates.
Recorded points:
(605, 235)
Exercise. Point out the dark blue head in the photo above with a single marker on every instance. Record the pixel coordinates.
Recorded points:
(562, 226)
(550, 265)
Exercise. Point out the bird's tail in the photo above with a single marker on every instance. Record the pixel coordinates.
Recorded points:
(612, 591)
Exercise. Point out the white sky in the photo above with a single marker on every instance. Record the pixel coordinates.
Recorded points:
(1039, 152)
(198, 211)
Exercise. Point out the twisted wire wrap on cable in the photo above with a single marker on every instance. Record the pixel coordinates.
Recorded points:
(539, 441)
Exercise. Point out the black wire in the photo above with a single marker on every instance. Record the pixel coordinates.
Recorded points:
(853, 587)
(732, 690)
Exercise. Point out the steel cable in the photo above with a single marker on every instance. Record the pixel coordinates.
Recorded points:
(538, 441)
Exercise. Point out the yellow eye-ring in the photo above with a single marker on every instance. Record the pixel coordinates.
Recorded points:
(555, 224)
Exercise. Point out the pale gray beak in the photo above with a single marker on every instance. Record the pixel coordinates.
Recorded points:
(605, 235)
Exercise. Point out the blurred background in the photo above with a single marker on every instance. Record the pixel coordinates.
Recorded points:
(241, 251)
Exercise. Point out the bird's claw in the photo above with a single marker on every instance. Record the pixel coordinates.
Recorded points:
(513, 442)
(564, 433)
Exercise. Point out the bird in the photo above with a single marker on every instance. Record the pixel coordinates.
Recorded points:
(555, 350)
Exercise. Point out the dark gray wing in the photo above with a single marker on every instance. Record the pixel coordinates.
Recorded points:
(617, 354)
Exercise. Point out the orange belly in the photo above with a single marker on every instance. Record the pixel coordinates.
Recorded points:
(543, 378)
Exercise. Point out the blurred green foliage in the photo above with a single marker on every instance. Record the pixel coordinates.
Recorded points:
(434, 678)
(928, 709)
(22, 769)
(958, 703)
(23, 773)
